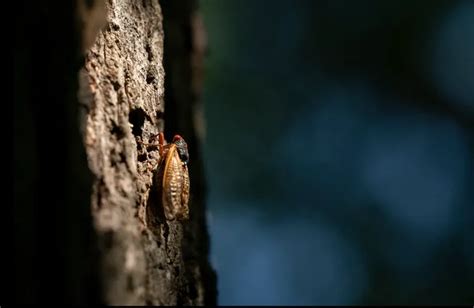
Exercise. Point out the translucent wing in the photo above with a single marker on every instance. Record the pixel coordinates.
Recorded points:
(185, 192)
(175, 195)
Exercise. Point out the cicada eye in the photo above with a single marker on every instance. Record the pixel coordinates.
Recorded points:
(184, 157)
(182, 150)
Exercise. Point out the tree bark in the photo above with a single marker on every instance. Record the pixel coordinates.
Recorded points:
(97, 229)
(145, 259)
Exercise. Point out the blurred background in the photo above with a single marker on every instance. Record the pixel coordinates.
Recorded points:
(340, 151)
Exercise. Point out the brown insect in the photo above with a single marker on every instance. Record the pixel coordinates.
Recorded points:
(173, 177)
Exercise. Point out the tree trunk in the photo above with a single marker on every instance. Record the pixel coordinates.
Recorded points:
(146, 259)
(119, 249)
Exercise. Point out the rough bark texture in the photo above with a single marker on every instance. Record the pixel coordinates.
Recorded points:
(144, 258)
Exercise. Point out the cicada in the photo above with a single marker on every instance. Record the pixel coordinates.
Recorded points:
(173, 177)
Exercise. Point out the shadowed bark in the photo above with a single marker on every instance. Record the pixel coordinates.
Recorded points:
(184, 52)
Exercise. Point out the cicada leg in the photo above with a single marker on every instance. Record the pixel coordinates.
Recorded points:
(161, 143)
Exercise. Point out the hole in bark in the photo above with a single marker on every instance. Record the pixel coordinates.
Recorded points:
(176, 270)
(114, 26)
(160, 115)
(116, 85)
(137, 118)
(160, 267)
(142, 157)
(150, 78)
(148, 52)
(122, 156)
(118, 131)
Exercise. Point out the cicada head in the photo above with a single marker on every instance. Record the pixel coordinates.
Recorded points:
(182, 148)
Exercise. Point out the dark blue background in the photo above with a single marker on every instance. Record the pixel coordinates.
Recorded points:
(339, 151)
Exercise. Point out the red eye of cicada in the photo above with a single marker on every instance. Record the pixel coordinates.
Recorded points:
(182, 148)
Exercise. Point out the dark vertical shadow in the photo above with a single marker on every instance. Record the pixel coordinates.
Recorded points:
(55, 252)
(180, 108)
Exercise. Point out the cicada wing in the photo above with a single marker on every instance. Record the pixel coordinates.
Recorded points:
(175, 187)
(185, 192)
